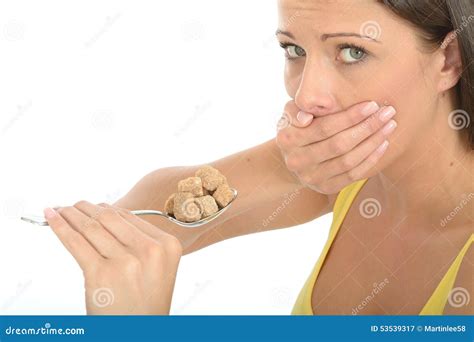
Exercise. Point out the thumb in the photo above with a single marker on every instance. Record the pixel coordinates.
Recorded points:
(303, 119)
(295, 117)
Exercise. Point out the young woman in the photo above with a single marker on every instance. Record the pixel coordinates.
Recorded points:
(379, 131)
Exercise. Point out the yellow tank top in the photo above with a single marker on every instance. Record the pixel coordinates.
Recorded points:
(435, 304)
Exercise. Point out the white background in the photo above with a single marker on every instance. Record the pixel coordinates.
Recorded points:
(94, 95)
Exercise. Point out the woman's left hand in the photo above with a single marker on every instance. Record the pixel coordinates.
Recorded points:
(129, 264)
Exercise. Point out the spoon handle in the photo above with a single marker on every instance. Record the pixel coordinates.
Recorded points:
(39, 220)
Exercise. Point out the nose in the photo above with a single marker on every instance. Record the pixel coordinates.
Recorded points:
(314, 94)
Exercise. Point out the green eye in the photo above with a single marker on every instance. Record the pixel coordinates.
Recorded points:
(352, 54)
(293, 51)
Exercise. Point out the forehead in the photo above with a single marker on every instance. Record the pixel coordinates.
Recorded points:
(328, 14)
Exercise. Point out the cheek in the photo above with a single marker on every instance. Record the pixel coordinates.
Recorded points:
(292, 76)
(407, 90)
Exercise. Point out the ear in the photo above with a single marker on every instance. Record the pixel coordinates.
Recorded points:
(451, 62)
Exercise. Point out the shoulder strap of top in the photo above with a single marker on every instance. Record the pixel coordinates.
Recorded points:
(343, 203)
(435, 305)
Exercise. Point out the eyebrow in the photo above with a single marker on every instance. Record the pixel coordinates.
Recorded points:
(326, 36)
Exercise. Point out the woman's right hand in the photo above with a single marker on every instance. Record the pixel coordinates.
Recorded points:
(328, 152)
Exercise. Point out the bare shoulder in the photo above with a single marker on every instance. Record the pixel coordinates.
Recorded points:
(461, 297)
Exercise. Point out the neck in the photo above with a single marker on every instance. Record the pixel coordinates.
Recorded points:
(435, 175)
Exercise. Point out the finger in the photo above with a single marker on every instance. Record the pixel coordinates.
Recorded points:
(324, 127)
(350, 160)
(343, 142)
(112, 221)
(151, 233)
(297, 117)
(146, 227)
(104, 242)
(74, 242)
(360, 171)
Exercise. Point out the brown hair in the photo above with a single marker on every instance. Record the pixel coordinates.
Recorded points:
(435, 19)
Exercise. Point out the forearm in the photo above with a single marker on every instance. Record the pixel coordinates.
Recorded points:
(259, 175)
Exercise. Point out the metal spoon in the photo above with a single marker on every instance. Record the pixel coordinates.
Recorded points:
(39, 220)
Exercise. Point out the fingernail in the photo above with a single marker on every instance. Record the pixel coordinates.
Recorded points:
(370, 108)
(383, 147)
(303, 117)
(387, 113)
(50, 213)
(389, 127)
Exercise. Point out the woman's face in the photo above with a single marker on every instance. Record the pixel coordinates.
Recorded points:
(342, 52)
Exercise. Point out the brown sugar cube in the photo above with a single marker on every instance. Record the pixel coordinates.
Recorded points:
(192, 185)
(211, 177)
(185, 208)
(169, 204)
(223, 195)
(208, 205)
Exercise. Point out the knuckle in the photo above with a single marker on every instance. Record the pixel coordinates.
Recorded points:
(66, 210)
(353, 175)
(153, 251)
(306, 178)
(106, 214)
(90, 226)
(173, 245)
(293, 162)
(131, 265)
(346, 163)
(283, 139)
(80, 204)
(372, 124)
(337, 146)
(323, 130)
